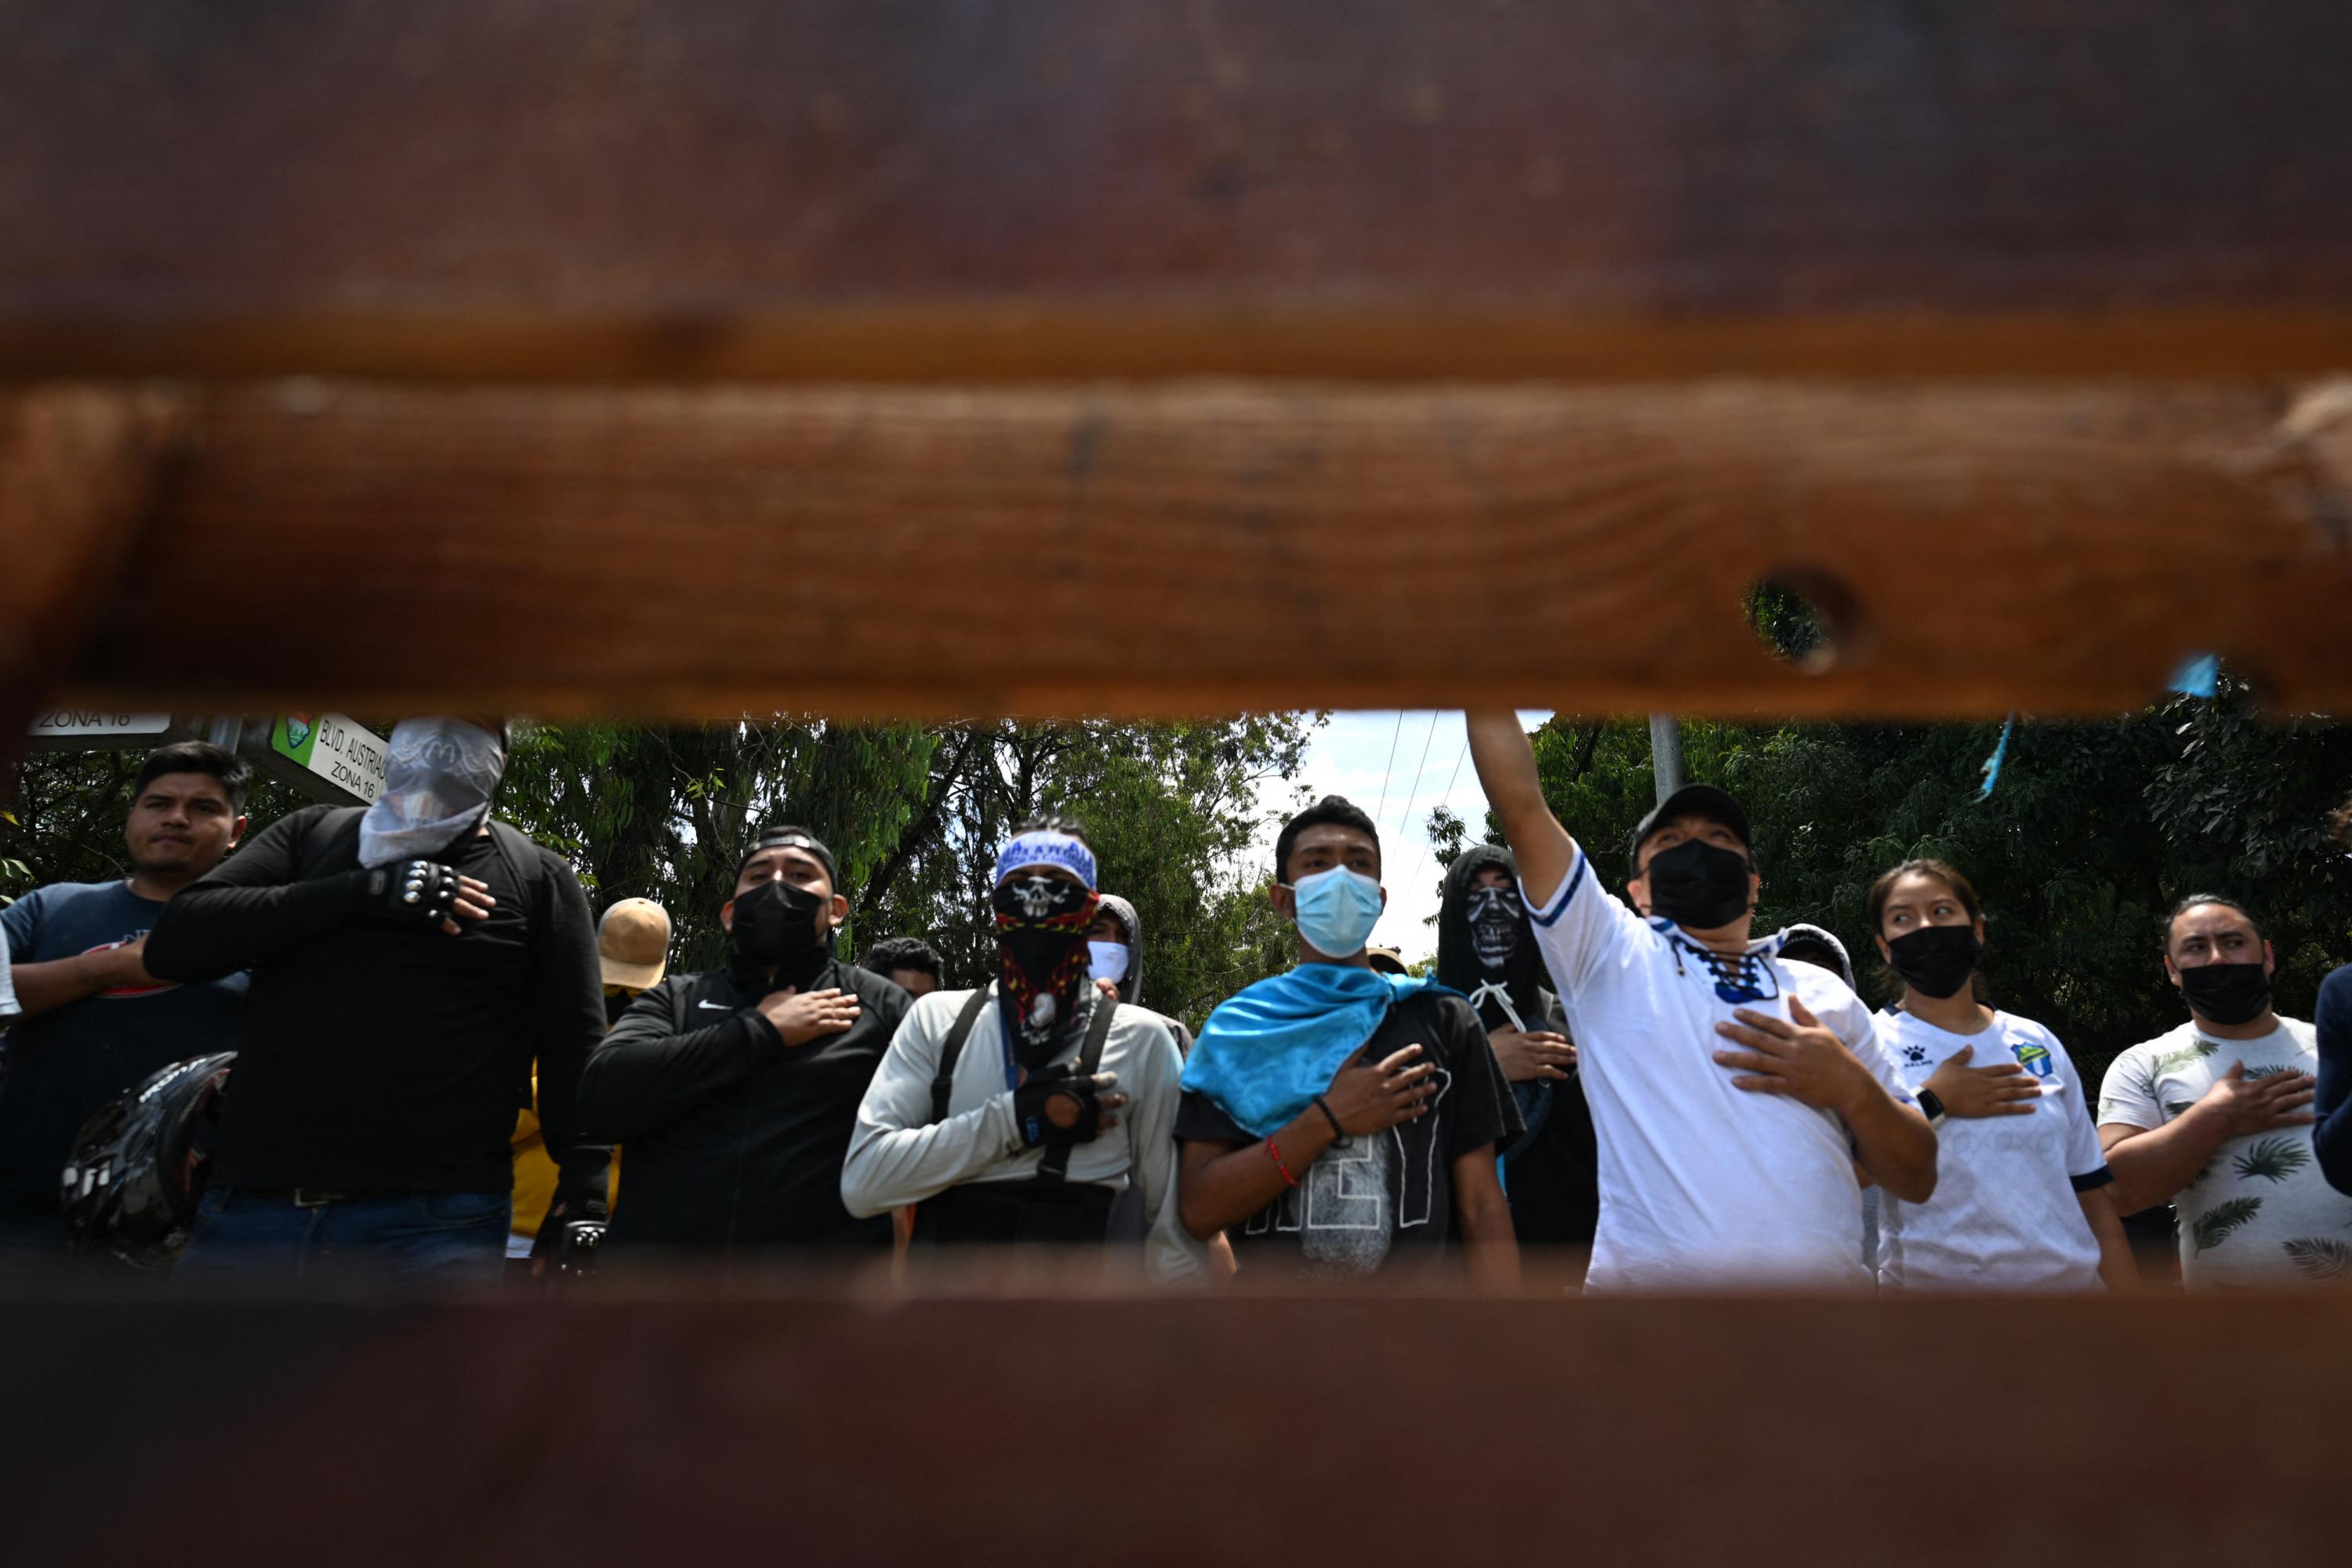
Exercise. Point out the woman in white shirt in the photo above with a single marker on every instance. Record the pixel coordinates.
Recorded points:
(2021, 1200)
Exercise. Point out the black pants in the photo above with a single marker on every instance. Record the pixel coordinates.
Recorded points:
(1027, 1214)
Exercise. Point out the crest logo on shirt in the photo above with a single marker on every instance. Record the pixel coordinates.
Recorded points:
(2035, 1059)
(1916, 1055)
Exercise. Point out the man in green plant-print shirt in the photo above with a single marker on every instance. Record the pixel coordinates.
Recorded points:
(2215, 1116)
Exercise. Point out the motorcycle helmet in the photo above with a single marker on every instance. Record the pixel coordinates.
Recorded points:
(139, 1165)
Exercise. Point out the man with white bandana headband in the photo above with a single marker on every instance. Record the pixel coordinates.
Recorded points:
(411, 962)
(1339, 1121)
(1018, 1112)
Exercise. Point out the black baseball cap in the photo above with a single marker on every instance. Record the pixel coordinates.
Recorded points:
(1693, 800)
(792, 839)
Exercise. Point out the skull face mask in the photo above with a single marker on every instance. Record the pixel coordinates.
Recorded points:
(1494, 925)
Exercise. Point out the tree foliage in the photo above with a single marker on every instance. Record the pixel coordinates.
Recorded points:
(914, 814)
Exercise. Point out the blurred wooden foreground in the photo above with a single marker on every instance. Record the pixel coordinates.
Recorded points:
(671, 361)
(1279, 1429)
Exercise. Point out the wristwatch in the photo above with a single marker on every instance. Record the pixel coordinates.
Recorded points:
(1932, 1104)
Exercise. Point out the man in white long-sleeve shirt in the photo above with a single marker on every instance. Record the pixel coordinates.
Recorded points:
(1015, 1114)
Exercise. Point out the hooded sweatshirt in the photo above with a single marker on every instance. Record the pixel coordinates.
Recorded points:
(1130, 990)
(1551, 1174)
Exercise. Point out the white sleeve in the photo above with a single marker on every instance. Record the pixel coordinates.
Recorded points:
(8, 1008)
(1854, 1026)
(899, 1155)
(1580, 927)
(2084, 1155)
(1170, 1255)
(2128, 1096)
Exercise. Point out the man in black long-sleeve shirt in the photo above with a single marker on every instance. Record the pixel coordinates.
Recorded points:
(736, 1091)
(396, 1010)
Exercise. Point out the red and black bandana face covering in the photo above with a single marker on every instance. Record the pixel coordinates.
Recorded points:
(1041, 958)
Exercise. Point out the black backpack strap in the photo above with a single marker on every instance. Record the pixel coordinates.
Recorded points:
(950, 1049)
(1055, 1166)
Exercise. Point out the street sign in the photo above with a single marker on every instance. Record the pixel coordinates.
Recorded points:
(328, 756)
(74, 730)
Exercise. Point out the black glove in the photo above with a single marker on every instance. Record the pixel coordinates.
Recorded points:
(1046, 1083)
(412, 890)
(569, 1236)
(575, 1249)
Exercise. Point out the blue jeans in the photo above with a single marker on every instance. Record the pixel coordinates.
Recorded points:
(378, 1237)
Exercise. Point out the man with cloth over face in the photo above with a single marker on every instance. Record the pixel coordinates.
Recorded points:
(1734, 1092)
(735, 1091)
(1018, 1112)
(1487, 950)
(412, 961)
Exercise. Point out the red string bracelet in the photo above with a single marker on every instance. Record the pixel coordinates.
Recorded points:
(1274, 1152)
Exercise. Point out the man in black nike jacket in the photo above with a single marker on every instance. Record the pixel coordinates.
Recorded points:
(736, 1091)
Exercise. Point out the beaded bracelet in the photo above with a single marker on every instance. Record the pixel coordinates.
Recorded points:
(1274, 1152)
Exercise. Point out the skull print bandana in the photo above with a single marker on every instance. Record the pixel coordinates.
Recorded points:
(1042, 959)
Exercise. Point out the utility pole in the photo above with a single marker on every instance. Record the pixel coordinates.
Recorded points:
(1666, 754)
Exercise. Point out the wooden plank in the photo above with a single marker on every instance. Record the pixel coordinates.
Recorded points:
(970, 189)
(79, 468)
(1777, 1431)
(662, 551)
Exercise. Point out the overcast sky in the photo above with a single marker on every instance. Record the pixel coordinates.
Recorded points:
(1397, 766)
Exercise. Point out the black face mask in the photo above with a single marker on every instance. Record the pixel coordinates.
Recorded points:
(775, 922)
(1493, 926)
(1702, 886)
(2226, 993)
(1936, 960)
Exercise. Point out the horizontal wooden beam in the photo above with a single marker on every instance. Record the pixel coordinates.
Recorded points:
(1197, 548)
(1780, 1433)
(952, 190)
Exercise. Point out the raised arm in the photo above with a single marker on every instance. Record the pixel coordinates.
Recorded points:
(1507, 771)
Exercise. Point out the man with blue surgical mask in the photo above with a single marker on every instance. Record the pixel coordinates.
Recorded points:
(1337, 1121)
(413, 961)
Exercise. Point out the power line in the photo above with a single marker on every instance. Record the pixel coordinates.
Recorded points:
(1427, 846)
(1384, 772)
(1405, 826)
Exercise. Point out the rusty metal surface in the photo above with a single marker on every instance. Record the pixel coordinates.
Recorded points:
(889, 189)
(1249, 1429)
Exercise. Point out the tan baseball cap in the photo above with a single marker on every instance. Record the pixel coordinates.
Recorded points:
(633, 943)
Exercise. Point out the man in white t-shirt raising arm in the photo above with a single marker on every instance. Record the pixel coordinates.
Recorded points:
(1734, 1093)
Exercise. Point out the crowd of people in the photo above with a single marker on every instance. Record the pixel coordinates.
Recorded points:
(394, 1043)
